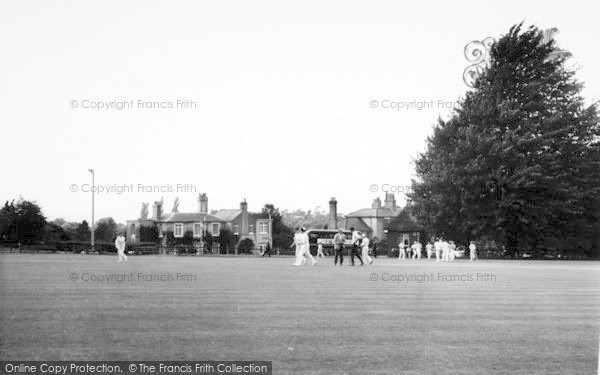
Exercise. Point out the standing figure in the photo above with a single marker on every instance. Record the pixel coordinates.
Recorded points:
(473, 250)
(300, 260)
(267, 250)
(452, 251)
(338, 246)
(365, 249)
(320, 251)
(120, 245)
(445, 251)
(438, 248)
(305, 245)
(355, 247)
(429, 249)
(374, 246)
(417, 249)
(401, 251)
(408, 250)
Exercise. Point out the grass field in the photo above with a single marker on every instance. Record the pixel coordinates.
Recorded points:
(530, 317)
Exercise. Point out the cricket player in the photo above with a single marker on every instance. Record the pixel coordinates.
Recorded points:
(355, 247)
(438, 248)
(473, 250)
(445, 251)
(417, 249)
(120, 245)
(452, 251)
(305, 246)
(401, 253)
(300, 259)
(429, 249)
(320, 251)
(365, 249)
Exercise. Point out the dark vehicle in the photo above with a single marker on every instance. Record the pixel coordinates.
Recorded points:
(325, 237)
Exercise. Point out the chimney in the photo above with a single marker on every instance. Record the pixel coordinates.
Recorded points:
(203, 203)
(390, 201)
(157, 210)
(244, 224)
(376, 203)
(332, 214)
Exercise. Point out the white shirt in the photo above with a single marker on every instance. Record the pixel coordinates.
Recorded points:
(355, 237)
(365, 243)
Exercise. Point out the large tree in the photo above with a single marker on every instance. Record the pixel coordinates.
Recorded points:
(105, 230)
(22, 221)
(520, 160)
(282, 235)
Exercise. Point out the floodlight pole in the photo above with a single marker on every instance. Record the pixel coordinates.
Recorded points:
(93, 242)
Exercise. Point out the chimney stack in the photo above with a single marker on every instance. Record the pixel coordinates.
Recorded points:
(157, 210)
(390, 201)
(203, 203)
(376, 203)
(244, 230)
(332, 214)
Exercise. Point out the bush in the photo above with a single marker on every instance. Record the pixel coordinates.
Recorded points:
(245, 246)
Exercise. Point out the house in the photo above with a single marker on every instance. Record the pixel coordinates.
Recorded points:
(384, 221)
(240, 222)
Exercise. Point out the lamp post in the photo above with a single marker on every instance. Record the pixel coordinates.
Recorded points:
(92, 228)
(270, 239)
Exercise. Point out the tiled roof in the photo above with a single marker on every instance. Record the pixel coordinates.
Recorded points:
(188, 217)
(227, 215)
(374, 212)
(357, 224)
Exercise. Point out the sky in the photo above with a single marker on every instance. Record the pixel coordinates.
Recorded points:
(283, 102)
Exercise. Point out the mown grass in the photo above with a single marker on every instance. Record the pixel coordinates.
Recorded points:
(536, 317)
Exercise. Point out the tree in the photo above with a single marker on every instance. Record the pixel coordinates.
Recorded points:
(22, 221)
(105, 230)
(54, 232)
(59, 221)
(519, 161)
(208, 239)
(227, 240)
(282, 235)
(83, 232)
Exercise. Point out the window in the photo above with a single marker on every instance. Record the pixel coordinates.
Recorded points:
(417, 236)
(251, 229)
(178, 230)
(406, 239)
(215, 229)
(236, 229)
(197, 230)
(263, 228)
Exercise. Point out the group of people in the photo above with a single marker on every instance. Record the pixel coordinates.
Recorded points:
(302, 248)
(444, 250)
(359, 248)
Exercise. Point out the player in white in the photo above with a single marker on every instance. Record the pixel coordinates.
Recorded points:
(305, 246)
(452, 252)
(473, 250)
(320, 251)
(417, 250)
(445, 251)
(438, 248)
(365, 249)
(300, 259)
(402, 252)
(120, 245)
(429, 249)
